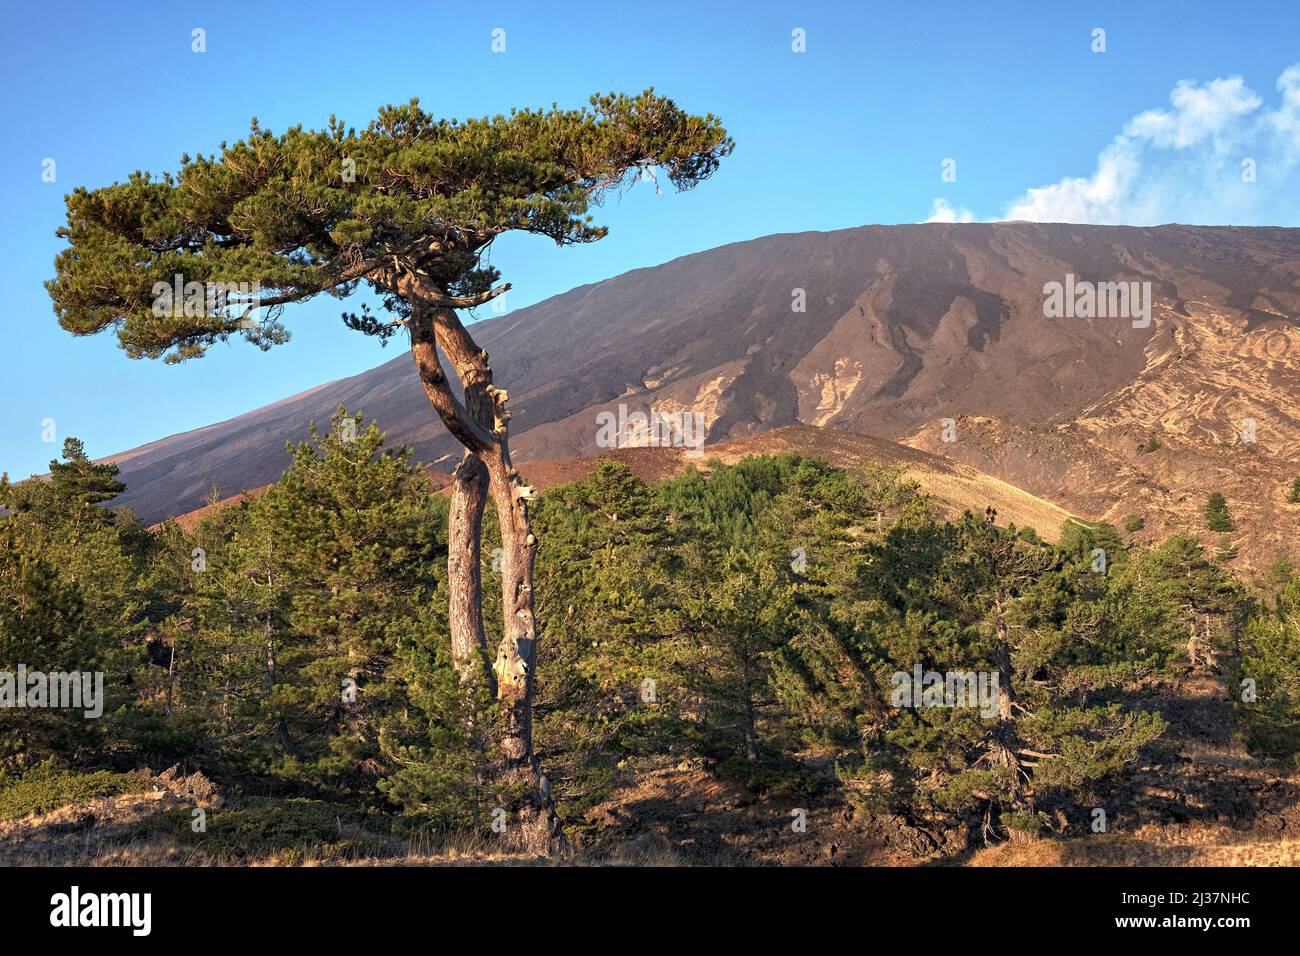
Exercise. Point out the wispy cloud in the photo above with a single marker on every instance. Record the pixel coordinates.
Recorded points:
(940, 211)
(1220, 155)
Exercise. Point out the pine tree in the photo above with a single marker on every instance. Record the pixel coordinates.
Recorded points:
(85, 555)
(1179, 598)
(1216, 513)
(1266, 695)
(608, 690)
(743, 614)
(44, 626)
(410, 206)
(314, 628)
(970, 599)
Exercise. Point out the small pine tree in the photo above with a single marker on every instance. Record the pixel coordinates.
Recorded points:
(1135, 523)
(76, 478)
(1280, 572)
(1267, 702)
(1294, 495)
(1152, 445)
(75, 483)
(1217, 517)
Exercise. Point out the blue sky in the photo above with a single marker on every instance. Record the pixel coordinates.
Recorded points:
(855, 130)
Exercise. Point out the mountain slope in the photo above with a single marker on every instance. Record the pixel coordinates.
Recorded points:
(904, 326)
(955, 487)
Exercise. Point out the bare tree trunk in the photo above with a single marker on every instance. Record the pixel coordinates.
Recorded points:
(481, 426)
(464, 578)
(1006, 740)
(537, 826)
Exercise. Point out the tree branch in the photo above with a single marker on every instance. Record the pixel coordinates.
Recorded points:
(360, 270)
(442, 300)
(458, 419)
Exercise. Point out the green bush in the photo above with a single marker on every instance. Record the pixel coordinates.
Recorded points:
(46, 787)
(1021, 822)
(260, 827)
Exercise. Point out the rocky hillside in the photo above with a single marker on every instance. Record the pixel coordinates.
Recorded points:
(955, 487)
(888, 331)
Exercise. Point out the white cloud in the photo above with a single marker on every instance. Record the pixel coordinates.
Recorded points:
(1096, 199)
(1185, 164)
(940, 211)
(1200, 112)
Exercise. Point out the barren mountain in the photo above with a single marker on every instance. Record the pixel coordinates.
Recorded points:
(887, 331)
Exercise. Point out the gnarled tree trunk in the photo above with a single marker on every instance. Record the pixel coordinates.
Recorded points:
(481, 426)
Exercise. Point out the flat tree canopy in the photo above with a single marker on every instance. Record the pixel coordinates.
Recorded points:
(311, 211)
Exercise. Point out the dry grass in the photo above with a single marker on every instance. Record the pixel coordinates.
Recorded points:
(107, 832)
(1201, 847)
(1213, 806)
(115, 832)
(970, 490)
(957, 486)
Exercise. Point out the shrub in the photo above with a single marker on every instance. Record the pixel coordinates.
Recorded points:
(1217, 517)
(46, 787)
